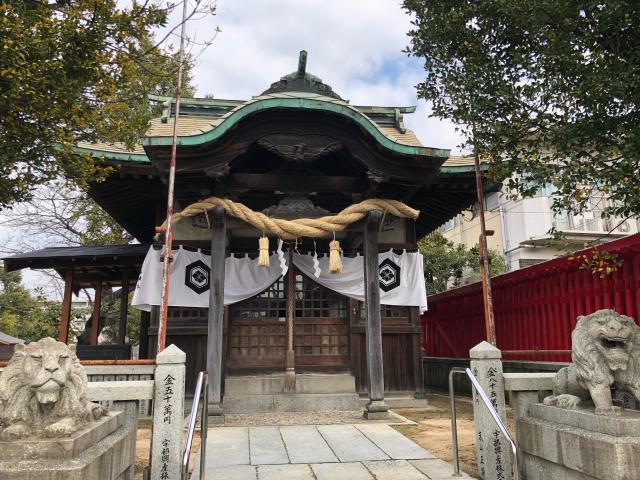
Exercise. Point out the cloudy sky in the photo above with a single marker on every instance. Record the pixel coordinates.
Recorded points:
(353, 45)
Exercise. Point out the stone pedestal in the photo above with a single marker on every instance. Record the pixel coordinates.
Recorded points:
(493, 452)
(101, 450)
(579, 445)
(376, 410)
(313, 392)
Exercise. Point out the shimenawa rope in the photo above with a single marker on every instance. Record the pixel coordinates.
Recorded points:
(301, 227)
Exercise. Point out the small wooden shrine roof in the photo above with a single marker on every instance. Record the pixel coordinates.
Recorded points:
(89, 264)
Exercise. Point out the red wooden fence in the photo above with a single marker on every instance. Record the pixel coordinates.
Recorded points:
(535, 307)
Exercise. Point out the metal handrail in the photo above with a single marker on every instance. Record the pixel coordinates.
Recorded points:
(202, 389)
(492, 411)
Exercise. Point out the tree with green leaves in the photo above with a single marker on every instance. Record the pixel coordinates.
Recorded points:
(23, 315)
(497, 264)
(84, 75)
(75, 71)
(549, 91)
(446, 264)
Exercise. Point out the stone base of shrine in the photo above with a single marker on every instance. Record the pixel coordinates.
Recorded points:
(579, 445)
(101, 450)
(313, 392)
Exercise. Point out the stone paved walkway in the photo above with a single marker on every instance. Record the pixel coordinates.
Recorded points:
(318, 452)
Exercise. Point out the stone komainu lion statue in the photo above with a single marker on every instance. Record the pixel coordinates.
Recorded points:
(42, 392)
(605, 353)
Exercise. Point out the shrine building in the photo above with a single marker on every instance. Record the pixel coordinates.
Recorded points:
(298, 150)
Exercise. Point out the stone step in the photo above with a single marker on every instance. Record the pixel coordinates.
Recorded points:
(405, 401)
(290, 402)
(274, 384)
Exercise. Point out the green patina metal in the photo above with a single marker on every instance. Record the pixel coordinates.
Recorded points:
(299, 90)
(120, 156)
(298, 102)
(231, 104)
(463, 168)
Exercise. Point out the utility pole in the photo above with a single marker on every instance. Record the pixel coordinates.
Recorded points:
(168, 231)
(485, 272)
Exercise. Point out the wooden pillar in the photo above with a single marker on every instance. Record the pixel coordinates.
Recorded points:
(290, 372)
(65, 315)
(124, 307)
(95, 315)
(376, 408)
(216, 311)
(145, 320)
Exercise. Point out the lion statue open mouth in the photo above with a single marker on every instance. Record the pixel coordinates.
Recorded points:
(605, 353)
(42, 392)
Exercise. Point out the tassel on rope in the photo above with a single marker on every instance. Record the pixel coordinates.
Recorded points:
(335, 263)
(316, 264)
(263, 257)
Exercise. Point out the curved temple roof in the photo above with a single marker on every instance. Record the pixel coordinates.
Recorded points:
(366, 150)
(203, 128)
(206, 120)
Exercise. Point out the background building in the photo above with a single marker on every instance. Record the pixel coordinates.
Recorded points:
(523, 228)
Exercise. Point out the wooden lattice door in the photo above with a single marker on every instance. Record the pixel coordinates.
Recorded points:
(258, 331)
(321, 331)
(257, 335)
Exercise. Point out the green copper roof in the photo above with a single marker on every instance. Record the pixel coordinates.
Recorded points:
(112, 152)
(206, 120)
(296, 101)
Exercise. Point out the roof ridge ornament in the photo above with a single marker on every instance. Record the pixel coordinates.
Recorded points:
(302, 81)
(302, 63)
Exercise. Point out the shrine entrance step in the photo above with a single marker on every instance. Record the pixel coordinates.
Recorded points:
(313, 392)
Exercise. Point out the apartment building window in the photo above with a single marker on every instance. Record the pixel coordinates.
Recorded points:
(592, 220)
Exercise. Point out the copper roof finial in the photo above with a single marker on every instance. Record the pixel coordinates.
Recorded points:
(302, 81)
(302, 63)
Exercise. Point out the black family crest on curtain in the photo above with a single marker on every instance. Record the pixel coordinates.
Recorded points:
(389, 273)
(197, 276)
